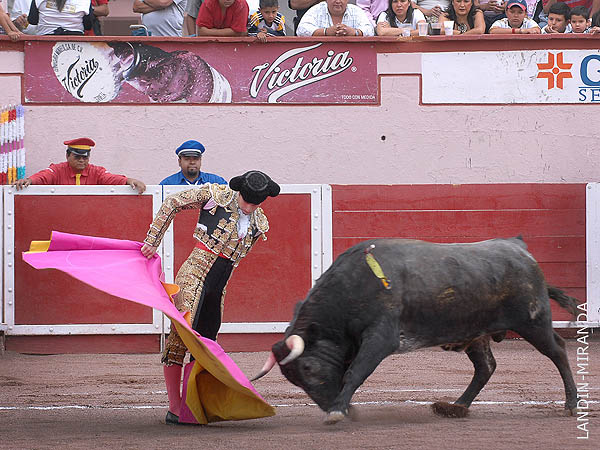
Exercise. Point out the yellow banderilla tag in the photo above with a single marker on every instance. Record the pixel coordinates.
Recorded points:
(376, 269)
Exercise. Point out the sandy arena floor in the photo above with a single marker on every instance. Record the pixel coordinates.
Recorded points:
(119, 402)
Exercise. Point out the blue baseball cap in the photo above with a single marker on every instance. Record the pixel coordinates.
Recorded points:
(520, 3)
(190, 148)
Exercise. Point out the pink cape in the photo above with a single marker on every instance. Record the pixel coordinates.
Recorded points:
(221, 391)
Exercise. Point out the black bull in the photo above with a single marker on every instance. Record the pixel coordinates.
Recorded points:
(416, 295)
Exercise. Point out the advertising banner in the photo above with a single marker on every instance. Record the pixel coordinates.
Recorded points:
(537, 76)
(203, 72)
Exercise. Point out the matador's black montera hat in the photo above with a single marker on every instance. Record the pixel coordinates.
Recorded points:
(255, 186)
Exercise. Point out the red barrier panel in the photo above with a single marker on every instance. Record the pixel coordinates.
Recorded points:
(52, 297)
(550, 217)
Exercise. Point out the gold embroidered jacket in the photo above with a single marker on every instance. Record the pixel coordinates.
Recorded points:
(222, 236)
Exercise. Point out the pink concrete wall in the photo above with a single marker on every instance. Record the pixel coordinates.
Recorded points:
(328, 144)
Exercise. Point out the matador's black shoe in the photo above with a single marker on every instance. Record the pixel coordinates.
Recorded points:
(171, 419)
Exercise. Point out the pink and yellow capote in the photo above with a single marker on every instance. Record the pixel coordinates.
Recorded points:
(217, 389)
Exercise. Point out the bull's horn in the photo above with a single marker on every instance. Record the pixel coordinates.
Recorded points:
(296, 344)
(266, 368)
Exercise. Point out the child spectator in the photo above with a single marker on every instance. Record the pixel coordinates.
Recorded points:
(266, 21)
(580, 19)
(559, 16)
(222, 18)
(516, 20)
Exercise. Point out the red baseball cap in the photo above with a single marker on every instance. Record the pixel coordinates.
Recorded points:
(520, 3)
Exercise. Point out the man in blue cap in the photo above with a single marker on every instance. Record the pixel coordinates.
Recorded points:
(190, 161)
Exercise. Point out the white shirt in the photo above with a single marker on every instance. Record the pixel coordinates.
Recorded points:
(318, 17)
(166, 22)
(70, 18)
(417, 17)
(19, 8)
(503, 23)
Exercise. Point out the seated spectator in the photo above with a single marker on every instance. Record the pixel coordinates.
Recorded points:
(266, 21)
(161, 17)
(431, 9)
(595, 28)
(580, 20)
(77, 170)
(492, 10)
(467, 18)
(399, 12)
(99, 9)
(191, 14)
(223, 18)
(61, 17)
(18, 13)
(189, 155)
(8, 26)
(559, 16)
(335, 18)
(516, 20)
(373, 8)
(301, 6)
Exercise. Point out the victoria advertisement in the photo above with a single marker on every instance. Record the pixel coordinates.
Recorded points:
(199, 73)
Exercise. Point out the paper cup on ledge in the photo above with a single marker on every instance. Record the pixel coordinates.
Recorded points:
(449, 27)
(405, 30)
(436, 28)
(423, 26)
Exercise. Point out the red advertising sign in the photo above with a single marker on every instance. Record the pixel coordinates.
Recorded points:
(203, 72)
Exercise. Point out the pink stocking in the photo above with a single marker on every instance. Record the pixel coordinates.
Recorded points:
(172, 375)
(186, 415)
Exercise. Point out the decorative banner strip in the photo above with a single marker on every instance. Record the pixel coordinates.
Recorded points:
(136, 72)
(12, 150)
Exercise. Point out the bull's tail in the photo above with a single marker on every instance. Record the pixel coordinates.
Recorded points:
(565, 301)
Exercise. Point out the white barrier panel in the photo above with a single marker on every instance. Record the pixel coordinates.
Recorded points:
(9, 261)
(320, 251)
(592, 225)
(320, 258)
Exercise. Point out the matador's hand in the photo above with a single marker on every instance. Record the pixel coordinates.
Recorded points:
(148, 250)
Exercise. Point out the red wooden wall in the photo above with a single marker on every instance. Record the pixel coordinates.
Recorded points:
(550, 217)
(277, 273)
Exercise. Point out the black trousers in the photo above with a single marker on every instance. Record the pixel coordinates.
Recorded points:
(207, 320)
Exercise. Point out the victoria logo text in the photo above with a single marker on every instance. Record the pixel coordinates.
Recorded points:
(280, 82)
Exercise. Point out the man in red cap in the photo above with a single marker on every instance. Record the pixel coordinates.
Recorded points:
(77, 170)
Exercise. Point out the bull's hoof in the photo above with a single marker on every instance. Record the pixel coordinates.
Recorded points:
(334, 417)
(446, 409)
(570, 412)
